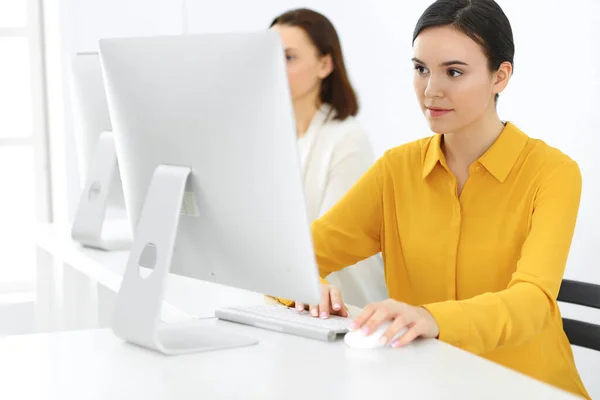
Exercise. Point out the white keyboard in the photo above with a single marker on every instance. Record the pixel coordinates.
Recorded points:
(287, 320)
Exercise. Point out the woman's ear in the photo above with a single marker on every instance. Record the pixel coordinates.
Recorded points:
(502, 77)
(325, 66)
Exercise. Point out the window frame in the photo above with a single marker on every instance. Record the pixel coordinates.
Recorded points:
(33, 31)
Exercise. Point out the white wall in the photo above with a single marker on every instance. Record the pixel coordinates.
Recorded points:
(16, 314)
(95, 19)
(553, 95)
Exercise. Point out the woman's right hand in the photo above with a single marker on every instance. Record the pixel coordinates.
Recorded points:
(331, 303)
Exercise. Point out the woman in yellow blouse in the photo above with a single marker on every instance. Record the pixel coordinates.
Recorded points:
(474, 223)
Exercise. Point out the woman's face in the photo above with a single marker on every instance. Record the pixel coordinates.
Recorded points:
(452, 79)
(306, 68)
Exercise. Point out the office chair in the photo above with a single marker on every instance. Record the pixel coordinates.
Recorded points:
(581, 333)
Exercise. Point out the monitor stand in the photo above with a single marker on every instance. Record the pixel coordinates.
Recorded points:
(139, 301)
(94, 225)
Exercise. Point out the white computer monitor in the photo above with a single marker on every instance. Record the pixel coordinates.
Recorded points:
(100, 220)
(207, 121)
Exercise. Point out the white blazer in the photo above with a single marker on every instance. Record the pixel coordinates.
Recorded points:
(334, 155)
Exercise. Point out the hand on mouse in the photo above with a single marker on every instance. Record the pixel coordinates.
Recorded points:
(331, 303)
(419, 321)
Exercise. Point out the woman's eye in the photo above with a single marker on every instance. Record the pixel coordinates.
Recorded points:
(454, 73)
(421, 70)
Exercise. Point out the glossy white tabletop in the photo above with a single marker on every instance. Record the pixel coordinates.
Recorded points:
(94, 364)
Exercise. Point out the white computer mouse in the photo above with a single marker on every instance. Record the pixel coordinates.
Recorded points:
(358, 340)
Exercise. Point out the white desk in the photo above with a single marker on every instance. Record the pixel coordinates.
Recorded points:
(76, 286)
(76, 289)
(94, 364)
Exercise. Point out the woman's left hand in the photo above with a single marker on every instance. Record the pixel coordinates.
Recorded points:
(418, 321)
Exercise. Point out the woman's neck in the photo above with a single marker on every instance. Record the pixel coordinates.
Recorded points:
(464, 147)
(304, 112)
